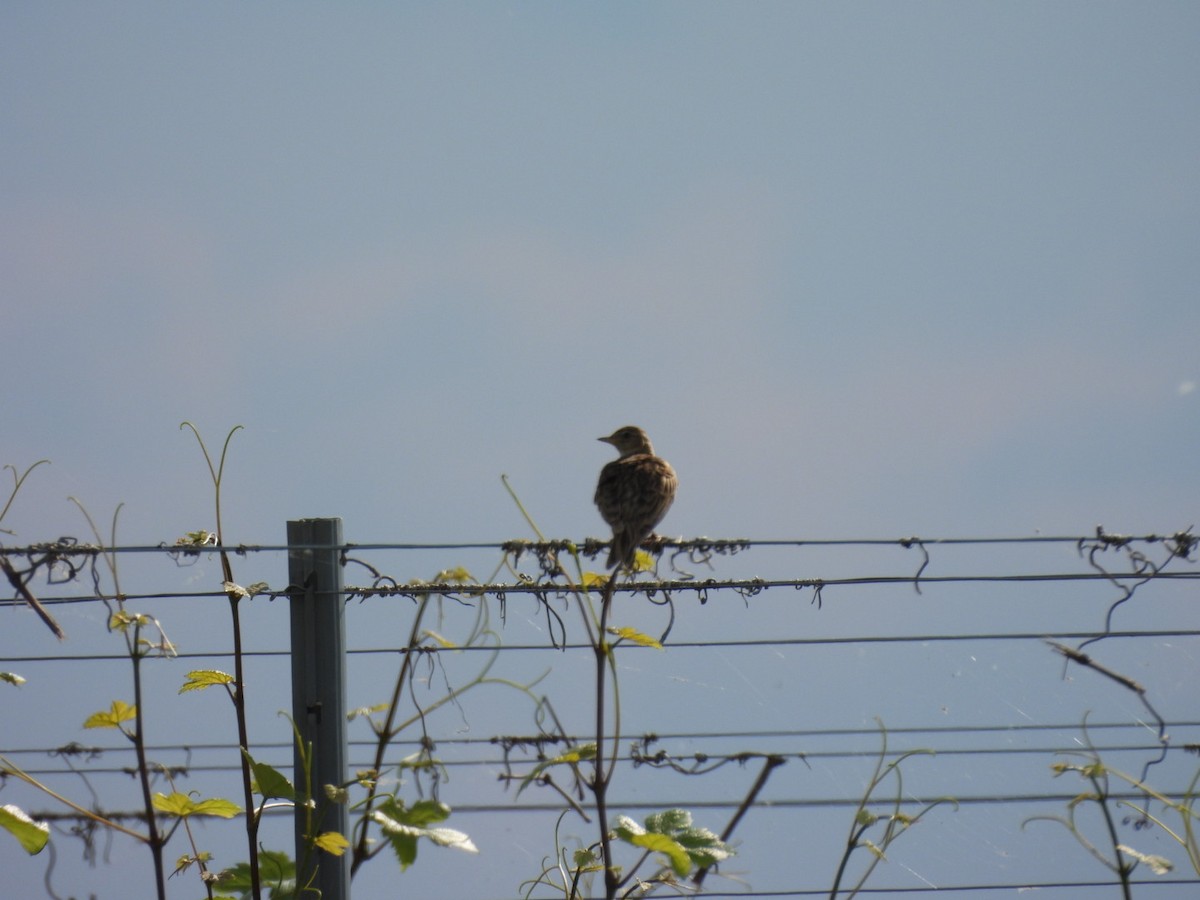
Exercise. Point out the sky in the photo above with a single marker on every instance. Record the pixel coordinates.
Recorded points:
(861, 270)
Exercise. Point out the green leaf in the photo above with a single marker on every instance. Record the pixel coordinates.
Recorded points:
(277, 872)
(112, 717)
(420, 814)
(703, 847)
(32, 836)
(402, 838)
(669, 821)
(626, 828)
(269, 781)
(584, 858)
(680, 862)
(217, 807)
(444, 642)
(632, 634)
(181, 805)
(405, 825)
(12, 678)
(671, 833)
(199, 679)
(448, 837)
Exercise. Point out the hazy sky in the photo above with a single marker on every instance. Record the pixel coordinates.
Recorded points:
(861, 270)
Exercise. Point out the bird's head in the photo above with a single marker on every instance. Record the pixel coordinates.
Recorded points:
(629, 440)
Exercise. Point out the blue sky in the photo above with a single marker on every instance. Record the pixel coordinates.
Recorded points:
(864, 270)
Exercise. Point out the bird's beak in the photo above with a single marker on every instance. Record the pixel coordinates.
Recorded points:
(607, 440)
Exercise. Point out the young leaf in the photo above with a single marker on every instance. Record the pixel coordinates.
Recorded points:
(365, 711)
(570, 757)
(444, 642)
(199, 679)
(113, 717)
(121, 620)
(866, 817)
(874, 848)
(12, 678)
(243, 593)
(32, 836)
(181, 805)
(1159, 865)
(632, 634)
(457, 575)
(331, 842)
(643, 561)
(186, 861)
(196, 539)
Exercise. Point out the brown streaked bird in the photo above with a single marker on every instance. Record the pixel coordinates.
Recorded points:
(634, 493)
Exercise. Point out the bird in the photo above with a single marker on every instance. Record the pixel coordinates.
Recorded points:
(634, 492)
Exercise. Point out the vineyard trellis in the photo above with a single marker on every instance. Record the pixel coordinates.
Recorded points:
(538, 597)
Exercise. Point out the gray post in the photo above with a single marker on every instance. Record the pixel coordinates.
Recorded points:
(318, 692)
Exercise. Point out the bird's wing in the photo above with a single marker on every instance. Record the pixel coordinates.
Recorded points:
(635, 493)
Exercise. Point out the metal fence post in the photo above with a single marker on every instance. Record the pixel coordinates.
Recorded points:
(319, 691)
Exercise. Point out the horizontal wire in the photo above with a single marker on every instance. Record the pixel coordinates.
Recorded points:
(1184, 538)
(873, 731)
(691, 645)
(759, 584)
(642, 804)
(743, 585)
(683, 760)
(77, 750)
(1016, 887)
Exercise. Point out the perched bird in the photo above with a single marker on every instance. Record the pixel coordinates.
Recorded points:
(634, 493)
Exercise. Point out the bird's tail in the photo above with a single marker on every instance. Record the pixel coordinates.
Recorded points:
(622, 550)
